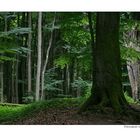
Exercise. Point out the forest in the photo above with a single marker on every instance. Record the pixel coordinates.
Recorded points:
(69, 68)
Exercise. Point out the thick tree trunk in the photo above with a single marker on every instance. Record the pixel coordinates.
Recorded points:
(37, 91)
(107, 86)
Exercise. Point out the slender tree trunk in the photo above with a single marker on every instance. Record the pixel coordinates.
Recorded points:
(107, 86)
(16, 78)
(29, 54)
(21, 82)
(1, 83)
(13, 83)
(132, 41)
(78, 90)
(71, 74)
(133, 73)
(8, 81)
(22, 63)
(46, 61)
(34, 53)
(37, 91)
(66, 80)
(1, 64)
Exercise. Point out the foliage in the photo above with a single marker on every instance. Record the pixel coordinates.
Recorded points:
(62, 61)
(83, 85)
(129, 99)
(75, 40)
(129, 54)
(16, 31)
(51, 84)
(74, 26)
(9, 46)
(26, 99)
(127, 25)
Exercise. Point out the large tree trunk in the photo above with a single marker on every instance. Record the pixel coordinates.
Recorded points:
(37, 97)
(107, 86)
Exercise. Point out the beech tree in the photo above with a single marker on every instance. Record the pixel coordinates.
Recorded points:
(46, 60)
(131, 38)
(38, 75)
(107, 86)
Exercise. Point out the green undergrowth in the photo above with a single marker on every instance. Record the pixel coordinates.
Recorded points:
(10, 113)
(130, 99)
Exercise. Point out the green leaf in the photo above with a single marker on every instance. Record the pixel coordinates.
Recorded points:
(62, 61)
(6, 58)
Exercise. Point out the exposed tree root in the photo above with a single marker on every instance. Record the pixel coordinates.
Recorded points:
(120, 112)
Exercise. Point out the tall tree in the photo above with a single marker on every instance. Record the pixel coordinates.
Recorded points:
(1, 82)
(29, 54)
(107, 86)
(38, 78)
(131, 40)
(46, 60)
(1, 65)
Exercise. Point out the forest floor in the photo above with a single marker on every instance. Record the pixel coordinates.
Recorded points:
(67, 114)
(70, 116)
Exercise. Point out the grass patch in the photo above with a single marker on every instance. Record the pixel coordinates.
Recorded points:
(11, 113)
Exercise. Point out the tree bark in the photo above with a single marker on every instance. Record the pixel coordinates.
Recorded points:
(71, 76)
(46, 61)
(132, 41)
(1, 83)
(133, 73)
(29, 54)
(37, 91)
(107, 86)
